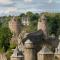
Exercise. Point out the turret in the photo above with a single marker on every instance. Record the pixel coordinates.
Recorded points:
(42, 24)
(29, 52)
(14, 26)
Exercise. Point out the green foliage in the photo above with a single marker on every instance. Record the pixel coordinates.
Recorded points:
(34, 17)
(0, 23)
(33, 26)
(53, 24)
(29, 13)
(9, 53)
(13, 45)
(5, 36)
(22, 14)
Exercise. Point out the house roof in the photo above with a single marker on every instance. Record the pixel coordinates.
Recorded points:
(45, 50)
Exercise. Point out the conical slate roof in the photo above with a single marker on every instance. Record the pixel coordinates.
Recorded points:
(35, 37)
(45, 50)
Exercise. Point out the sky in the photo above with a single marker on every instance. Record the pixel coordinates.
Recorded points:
(16, 7)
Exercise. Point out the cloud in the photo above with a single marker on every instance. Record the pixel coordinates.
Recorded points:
(5, 2)
(28, 1)
(50, 1)
(57, 1)
(11, 7)
(54, 1)
(8, 11)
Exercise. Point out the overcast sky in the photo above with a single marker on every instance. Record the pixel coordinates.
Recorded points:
(15, 7)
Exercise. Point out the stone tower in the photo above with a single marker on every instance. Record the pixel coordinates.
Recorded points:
(25, 20)
(29, 51)
(14, 26)
(42, 24)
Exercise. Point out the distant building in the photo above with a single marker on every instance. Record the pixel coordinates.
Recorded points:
(25, 20)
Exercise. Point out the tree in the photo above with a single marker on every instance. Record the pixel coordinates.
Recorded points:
(53, 25)
(5, 36)
(0, 24)
(29, 13)
(22, 14)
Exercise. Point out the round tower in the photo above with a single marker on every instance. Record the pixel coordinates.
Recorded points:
(14, 26)
(29, 52)
(42, 24)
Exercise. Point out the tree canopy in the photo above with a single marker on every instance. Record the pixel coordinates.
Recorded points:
(5, 36)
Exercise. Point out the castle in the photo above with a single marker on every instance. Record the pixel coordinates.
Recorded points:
(36, 45)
